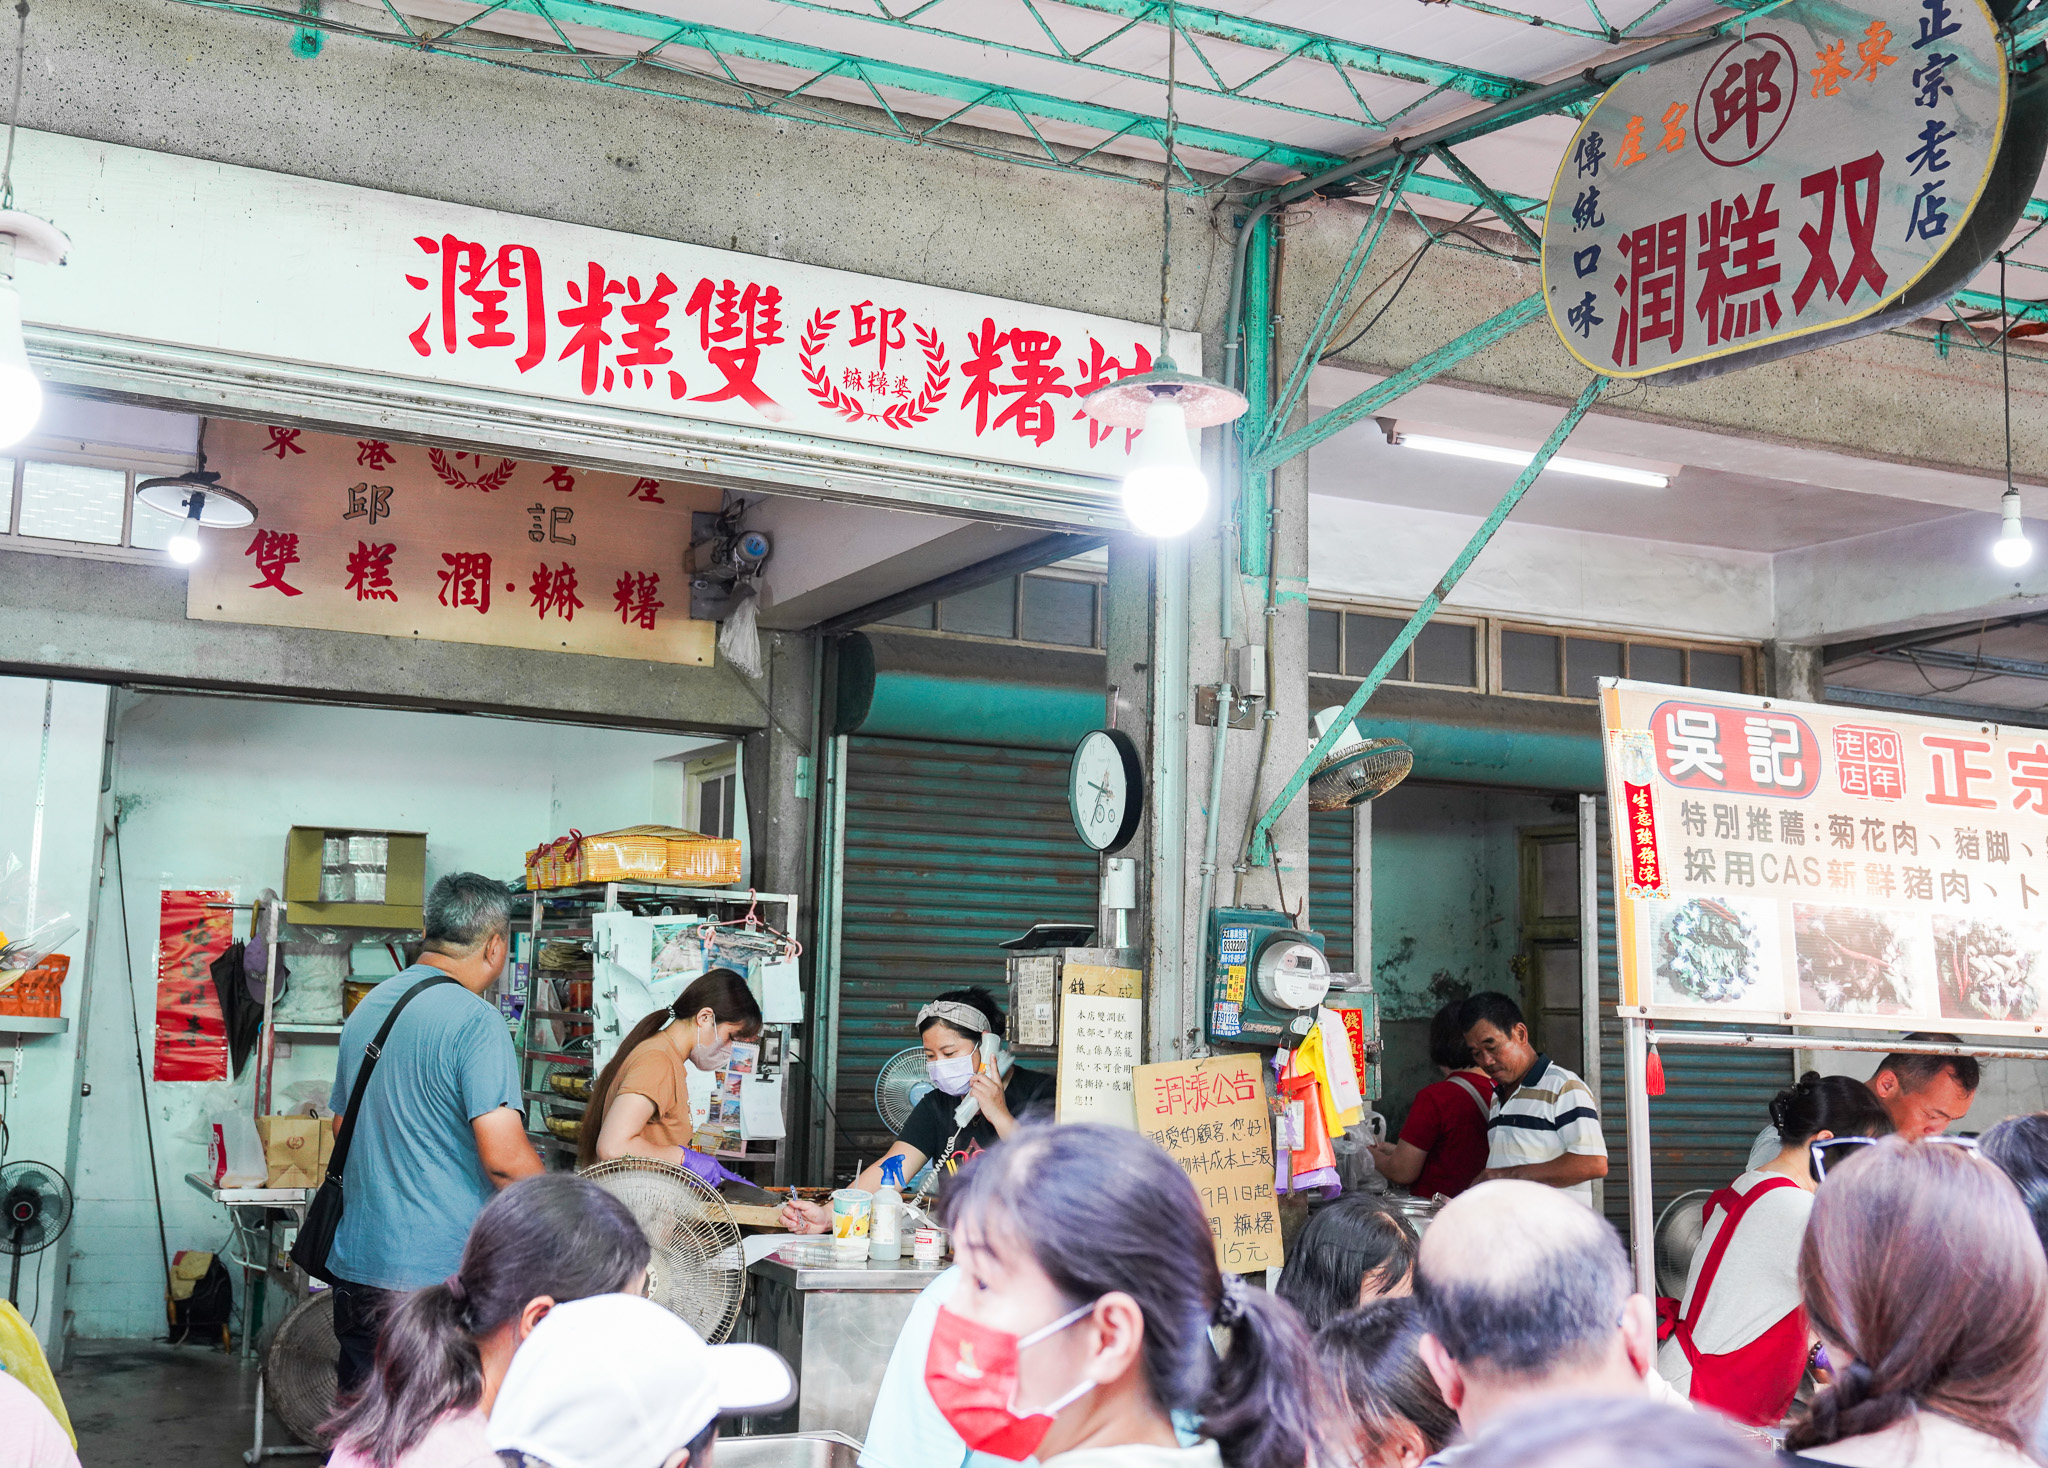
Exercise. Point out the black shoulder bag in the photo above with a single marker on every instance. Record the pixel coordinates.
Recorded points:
(323, 1215)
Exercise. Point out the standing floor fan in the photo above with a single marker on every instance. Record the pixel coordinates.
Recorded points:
(35, 1209)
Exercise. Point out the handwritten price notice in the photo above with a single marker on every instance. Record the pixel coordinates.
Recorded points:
(1211, 1115)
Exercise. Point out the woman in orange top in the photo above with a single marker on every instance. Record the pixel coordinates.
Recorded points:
(643, 1094)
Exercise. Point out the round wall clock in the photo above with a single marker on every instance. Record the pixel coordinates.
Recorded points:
(1106, 789)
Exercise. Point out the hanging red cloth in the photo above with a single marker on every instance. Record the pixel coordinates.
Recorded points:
(1753, 1383)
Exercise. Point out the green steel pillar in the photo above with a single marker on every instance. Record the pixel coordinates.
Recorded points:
(1255, 493)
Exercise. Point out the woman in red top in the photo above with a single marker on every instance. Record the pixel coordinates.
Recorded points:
(1443, 1143)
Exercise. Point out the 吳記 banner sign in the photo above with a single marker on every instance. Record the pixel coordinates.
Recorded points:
(1800, 178)
(302, 271)
(361, 535)
(1793, 863)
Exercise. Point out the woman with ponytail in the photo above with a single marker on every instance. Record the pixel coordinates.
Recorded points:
(1740, 1343)
(643, 1094)
(1081, 1331)
(1927, 1287)
(443, 1351)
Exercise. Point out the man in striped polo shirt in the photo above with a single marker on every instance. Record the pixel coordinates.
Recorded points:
(1544, 1125)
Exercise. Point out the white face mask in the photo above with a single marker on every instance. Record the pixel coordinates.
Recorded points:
(952, 1075)
(711, 1054)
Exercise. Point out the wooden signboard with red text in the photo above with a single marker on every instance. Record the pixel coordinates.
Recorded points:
(361, 535)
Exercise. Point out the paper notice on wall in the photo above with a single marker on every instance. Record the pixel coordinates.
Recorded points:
(703, 1091)
(1098, 1051)
(781, 992)
(760, 1109)
(191, 1035)
(1211, 1116)
(1034, 980)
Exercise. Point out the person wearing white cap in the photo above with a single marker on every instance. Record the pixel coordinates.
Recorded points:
(616, 1381)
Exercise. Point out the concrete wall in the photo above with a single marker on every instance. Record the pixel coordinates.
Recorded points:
(63, 773)
(206, 788)
(1362, 549)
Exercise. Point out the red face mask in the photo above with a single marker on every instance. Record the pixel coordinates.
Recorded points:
(971, 1372)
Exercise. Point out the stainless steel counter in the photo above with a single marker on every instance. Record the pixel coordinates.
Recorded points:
(836, 1325)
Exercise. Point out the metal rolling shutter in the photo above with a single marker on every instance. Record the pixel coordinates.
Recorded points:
(950, 848)
(1714, 1101)
(1332, 896)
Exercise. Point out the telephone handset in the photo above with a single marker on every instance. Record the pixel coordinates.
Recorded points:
(989, 1055)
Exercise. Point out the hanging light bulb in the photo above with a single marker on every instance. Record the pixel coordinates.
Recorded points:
(1165, 491)
(184, 546)
(22, 237)
(198, 499)
(2012, 548)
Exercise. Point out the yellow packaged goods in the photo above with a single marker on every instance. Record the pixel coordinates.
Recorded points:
(295, 1149)
(705, 860)
(623, 857)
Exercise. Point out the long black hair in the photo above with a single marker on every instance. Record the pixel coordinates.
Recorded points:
(1842, 1105)
(1102, 1209)
(1343, 1244)
(553, 1234)
(723, 991)
(1372, 1361)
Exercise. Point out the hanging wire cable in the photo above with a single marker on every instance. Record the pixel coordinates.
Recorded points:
(2005, 362)
(1165, 182)
(14, 109)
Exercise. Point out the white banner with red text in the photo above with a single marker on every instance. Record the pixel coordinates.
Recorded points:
(1790, 863)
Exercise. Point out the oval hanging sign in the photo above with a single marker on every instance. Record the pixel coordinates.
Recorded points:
(1823, 172)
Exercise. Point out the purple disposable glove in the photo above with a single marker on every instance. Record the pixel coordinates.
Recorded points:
(708, 1168)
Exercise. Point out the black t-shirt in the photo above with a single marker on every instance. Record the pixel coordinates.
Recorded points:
(931, 1120)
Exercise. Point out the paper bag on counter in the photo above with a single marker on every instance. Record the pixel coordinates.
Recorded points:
(295, 1149)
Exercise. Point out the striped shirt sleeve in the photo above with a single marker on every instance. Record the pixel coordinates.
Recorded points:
(1578, 1120)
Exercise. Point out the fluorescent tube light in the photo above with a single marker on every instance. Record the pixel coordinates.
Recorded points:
(1428, 443)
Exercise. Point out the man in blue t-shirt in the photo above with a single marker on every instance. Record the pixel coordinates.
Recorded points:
(442, 1125)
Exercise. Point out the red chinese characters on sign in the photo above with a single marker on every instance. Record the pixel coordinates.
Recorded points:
(1954, 776)
(191, 1035)
(733, 324)
(1098, 370)
(473, 288)
(1746, 99)
(1741, 751)
(1870, 761)
(1645, 867)
(1855, 185)
(1035, 379)
(369, 571)
(1652, 289)
(2029, 769)
(1738, 267)
(1191, 1095)
(467, 581)
(637, 597)
(555, 591)
(276, 551)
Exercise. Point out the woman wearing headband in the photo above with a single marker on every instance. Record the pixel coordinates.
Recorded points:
(950, 1028)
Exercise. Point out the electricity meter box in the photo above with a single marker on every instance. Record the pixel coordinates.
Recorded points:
(1047, 964)
(1266, 977)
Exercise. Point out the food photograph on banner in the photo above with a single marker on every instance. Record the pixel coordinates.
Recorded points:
(1819, 865)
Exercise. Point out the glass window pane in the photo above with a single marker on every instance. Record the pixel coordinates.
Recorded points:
(912, 617)
(153, 529)
(1365, 638)
(70, 502)
(1059, 611)
(1528, 662)
(6, 494)
(1324, 654)
(1656, 664)
(1720, 671)
(1446, 652)
(1558, 971)
(1585, 659)
(986, 611)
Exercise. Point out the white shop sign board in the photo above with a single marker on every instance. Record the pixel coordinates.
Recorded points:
(212, 258)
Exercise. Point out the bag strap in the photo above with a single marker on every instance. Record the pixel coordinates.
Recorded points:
(339, 1159)
(1734, 1205)
(1485, 1111)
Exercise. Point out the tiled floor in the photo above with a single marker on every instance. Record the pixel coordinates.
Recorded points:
(142, 1404)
